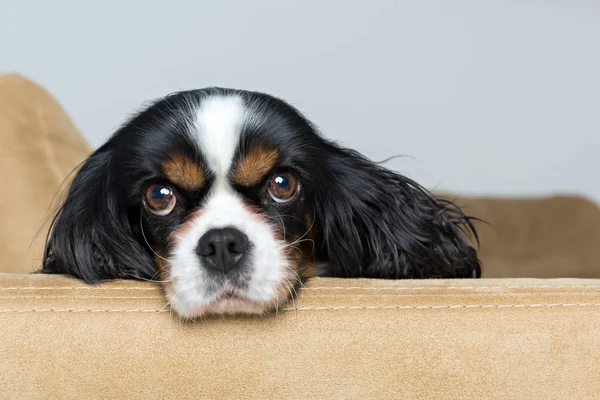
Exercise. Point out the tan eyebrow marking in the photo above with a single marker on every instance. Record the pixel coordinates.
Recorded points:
(184, 172)
(254, 165)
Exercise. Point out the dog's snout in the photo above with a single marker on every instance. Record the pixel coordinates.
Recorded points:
(223, 249)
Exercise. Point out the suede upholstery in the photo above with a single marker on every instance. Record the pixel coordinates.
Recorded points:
(505, 336)
(360, 339)
(39, 146)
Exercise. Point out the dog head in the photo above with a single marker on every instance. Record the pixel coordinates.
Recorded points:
(231, 199)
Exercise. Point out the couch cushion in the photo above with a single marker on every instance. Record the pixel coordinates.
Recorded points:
(343, 338)
(39, 146)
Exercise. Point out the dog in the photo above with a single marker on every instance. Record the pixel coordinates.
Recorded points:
(232, 199)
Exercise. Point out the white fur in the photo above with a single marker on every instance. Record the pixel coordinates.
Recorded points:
(218, 125)
(219, 121)
(269, 265)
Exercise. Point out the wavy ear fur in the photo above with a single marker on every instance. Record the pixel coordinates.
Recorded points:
(375, 223)
(91, 236)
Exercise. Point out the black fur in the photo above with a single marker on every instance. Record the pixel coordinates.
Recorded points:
(368, 220)
(388, 226)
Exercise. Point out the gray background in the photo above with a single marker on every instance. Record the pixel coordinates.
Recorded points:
(486, 97)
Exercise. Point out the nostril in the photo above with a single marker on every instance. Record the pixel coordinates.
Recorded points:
(238, 244)
(206, 249)
(211, 249)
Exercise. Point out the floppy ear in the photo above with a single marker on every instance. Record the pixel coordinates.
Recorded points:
(91, 236)
(375, 223)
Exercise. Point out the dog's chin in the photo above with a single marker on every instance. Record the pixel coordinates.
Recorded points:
(226, 302)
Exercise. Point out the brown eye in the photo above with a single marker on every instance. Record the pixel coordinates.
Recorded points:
(160, 199)
(283, 187)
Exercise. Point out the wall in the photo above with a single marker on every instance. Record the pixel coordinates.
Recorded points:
(495, 97)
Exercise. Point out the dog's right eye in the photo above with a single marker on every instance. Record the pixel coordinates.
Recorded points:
(160, 199)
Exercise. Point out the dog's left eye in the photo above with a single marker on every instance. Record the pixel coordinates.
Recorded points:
(160, 199)
(283, 187)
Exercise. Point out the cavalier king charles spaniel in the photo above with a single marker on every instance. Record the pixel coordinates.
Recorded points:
(231, 200)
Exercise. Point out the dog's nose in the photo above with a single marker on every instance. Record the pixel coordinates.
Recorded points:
(223, 249)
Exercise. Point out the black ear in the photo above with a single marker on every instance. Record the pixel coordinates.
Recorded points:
(375, 223)
(91, 236)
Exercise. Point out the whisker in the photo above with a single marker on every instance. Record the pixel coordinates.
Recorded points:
(292, 297)
(299, 280)
(146, 279)
(282, 226)
(167, 305)
(158, 271)
(287, 245)
(301, 238)
(146, 240)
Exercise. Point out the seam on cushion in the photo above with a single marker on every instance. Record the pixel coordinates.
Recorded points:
(82, 310)
(83, 297)
(454, 287)
(456, 306)
(483, 294)
(305, 296)
(335, 308)
(78, 288)
(324, 288)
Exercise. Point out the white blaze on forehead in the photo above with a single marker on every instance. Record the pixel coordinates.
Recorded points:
(219, 122)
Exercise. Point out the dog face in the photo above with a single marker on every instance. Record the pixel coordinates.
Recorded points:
(231, 199)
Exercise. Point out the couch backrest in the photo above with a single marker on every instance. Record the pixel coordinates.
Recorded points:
(555, 236)
(39, 146)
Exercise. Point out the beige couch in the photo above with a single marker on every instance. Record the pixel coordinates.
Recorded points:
(507, 336)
